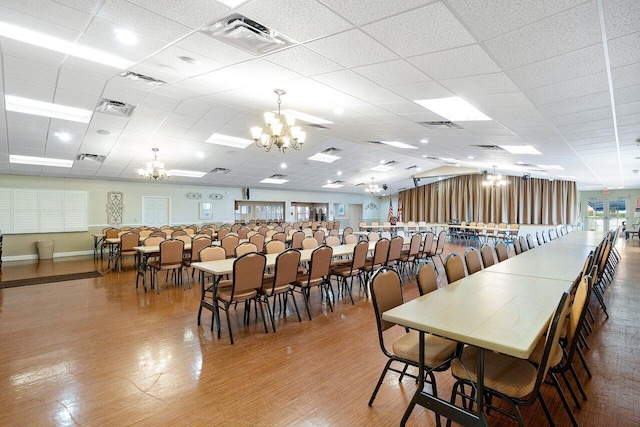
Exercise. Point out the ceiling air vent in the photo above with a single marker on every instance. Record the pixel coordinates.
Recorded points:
(489, 147)
(359, 184)
(411, 167)
(332, 151)
(526, 165)
(247, 34)
(317, 126)
(116, 108)
(391, 162)
(277, 176)
(220, 170)
(130, 75)
(432, 158)
(96, 158)
(440, 125)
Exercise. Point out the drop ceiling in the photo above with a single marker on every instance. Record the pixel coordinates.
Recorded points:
(562, 77)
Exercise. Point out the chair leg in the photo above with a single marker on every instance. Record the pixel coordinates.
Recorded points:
(545, 408)
(295, 304)
(384, 372)
(556, 384)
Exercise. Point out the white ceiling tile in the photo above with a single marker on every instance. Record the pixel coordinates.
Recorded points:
(580, 86)
(357, 86)
(624, 50)
(80, 83)
(86, 6)
(626, 76)
(32, 53)
(392, 73)
(582, 116)
(627, 109)
(457, 62)
(76, 99)
(213, 49)
(294, 19)
(561, 33)
(428, 29)
(28, 90)
(427, 90)
(621, 17)
(303, 60)
(28, 71)
(485, 84)
(567, 106)
(627, 94)
(351, 49)
(197, 14)
(488, 19)
(51, 11)
(371, 10)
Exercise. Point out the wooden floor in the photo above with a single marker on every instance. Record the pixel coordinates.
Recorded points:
(100, 352)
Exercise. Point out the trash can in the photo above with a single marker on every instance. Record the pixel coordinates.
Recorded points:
(45, 249)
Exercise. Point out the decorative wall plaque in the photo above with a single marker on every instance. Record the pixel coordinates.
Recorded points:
(216, 196)
(193, 196)
(371, 206)
(115, 207)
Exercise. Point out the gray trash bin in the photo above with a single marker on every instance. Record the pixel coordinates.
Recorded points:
(45, 249)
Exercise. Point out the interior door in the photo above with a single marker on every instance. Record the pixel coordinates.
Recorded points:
(155, 211)
(355, 216)
(606, 214)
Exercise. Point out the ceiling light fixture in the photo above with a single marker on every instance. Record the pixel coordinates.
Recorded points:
(398, 144)
(372, 188)
(520, 149)
(228, 141)
(40, 161)
(453, 108)
(58, 45)
(47, 109)
(188, 174)
(155, 169)
(493, 179)
(282, 131)
(382, 168)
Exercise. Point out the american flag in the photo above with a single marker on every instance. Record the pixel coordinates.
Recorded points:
(399, 209)
(390, 216)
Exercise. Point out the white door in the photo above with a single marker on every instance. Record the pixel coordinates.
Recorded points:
(355, 216)
(155, 211)
(606, 214)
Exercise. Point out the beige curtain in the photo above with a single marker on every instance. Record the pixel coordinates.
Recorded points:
(532, 201)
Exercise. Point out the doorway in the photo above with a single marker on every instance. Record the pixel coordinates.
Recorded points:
(155, 211)
(606, 214)
(355, 216)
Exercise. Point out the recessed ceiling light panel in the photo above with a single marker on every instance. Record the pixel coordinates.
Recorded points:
(326, 158)
(398, 144)
(40, 161)
(453, 108)
(306, 117)
(188, 174)
(520, 149)
(382, 168)
(229, 141)
(47, 109)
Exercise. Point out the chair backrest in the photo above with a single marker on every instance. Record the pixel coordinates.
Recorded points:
(362, 224)
(279, 235)
(374, 223)
(454, 267)
(502, 251)
(320, 262)
(381, 251)
(553, 234)
(245, 248)
(286, 269)
(524, 245)
(158, 234)
(242, 232)
(347, 230)
(248, 272)
(197, 245)
(487, 256)
(350, 238)
(360, 252)
(385, 235)
(531, 241)
(177, 233)
(128, 241)
(235, 227)
(427, 244)
(222, 233)
(442, 237)
(153, 240)
(229, 244)
(207, 231)
(414, 245)
(274, 247)
(308, 232)
(145, 233)
(579, 307)
(395, 249)
(473, 261)
(184, 237)
(171, 251)
(309, 242)
(212, 253)
(258, 240)
(545, 236)
(111, 233)
(427, 279)
(296, 239)
(319, 235)
(334, 232)
(539, 238)
(386, 293)
(516, 246)
(373, 236)
(121, 232)
(332, 240)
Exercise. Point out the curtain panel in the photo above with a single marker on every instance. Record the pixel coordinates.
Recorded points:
(531, 201)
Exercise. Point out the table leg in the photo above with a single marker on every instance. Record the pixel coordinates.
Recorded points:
(142, 270)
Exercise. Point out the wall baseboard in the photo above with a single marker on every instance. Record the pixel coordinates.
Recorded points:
(55, 255)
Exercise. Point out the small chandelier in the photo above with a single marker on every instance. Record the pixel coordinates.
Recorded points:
(281, 132)
(155, 169)
(372, 188)
(493, 179)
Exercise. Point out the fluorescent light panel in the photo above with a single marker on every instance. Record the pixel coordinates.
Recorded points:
(551, 167)
(520, 149)
(306, 117)
(58, 45)
(40, 161)
(188, 174)
(453, 108)
(47, 109)
(232, 3)
(274, 181)
(229, 141)
(332, 186)
(321, 157)
(382, 168)
(398, 144)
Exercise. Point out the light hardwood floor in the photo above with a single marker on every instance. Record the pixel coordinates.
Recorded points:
(100, 352)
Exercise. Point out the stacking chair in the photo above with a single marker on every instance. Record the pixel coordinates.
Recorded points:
(473, 261)
(248, 273)
(516, 246)
(426, 249)
(258, 240)
(511, 379)
(373, 236)
(244, 248)
(353, 268)
(345, 232)
(442, 237)
(279, 236)
(177, 233)
(350, 239)
(379, 258)
(229, 244)
(318, 275)
(501, 251)
(454, 267)
(539, 238)
(222, 233)
(524, 245)
(487, 255)
(170, 258)
(545, 236)
(158, 234)
(386, 292)
(530, 241)
(274, 247)
(278, 285)
(196, 246)
(411, 255)
(393, 255)
(242, 232)
(427, 279)
(309, 242)
(296, 240)
(209, 253)
(127, 242)
(319, 236)
(332, 240)
(553, 234)
(385, 235)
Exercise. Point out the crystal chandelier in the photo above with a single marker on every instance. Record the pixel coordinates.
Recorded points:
(155, 169)
(372, 188)
(281, 132)
(493, 179)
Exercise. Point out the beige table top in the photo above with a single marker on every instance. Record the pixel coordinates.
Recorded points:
(561, 262)
(588, 238)
(155, 249)
(488, 310)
